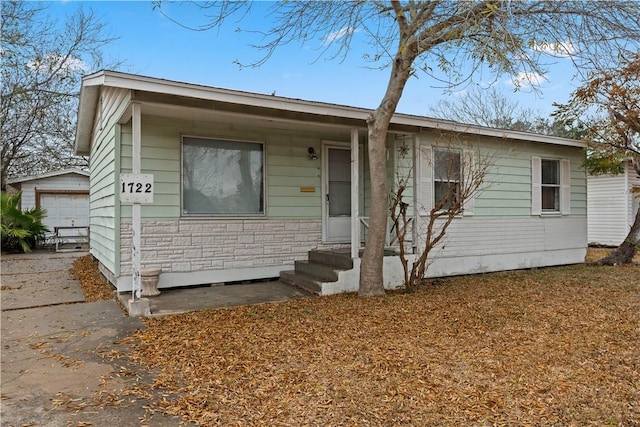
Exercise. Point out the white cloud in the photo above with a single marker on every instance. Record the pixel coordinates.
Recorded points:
(331, 37)
(54, 61)
(558, 50)
(526, 79)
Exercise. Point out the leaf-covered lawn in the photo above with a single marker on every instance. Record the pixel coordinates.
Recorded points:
(556, 346)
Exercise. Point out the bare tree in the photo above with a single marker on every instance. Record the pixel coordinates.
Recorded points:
(608, 107)
(460, 170)
(488, 107)
(41, 71)
(446, 40)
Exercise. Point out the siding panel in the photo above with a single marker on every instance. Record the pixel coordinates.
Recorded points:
(104, 173)
(606, 205)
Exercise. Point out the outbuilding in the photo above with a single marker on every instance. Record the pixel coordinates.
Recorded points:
(612, 204)
(64, 195)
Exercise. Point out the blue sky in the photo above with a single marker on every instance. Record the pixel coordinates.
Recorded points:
(152, 45)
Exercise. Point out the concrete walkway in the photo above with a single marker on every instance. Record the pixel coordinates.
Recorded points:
(60, 361)
(182, 300)
(58, 366)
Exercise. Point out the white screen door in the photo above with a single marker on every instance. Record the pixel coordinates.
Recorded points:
(337, 194)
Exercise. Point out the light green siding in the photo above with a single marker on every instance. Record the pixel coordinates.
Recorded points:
(506, 191)
(287, 165)
(104, 166)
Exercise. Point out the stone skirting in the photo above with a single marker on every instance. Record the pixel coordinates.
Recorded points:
(198, 245)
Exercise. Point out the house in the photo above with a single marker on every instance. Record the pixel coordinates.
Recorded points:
(63, 194)
(250, 186)
(612, 206)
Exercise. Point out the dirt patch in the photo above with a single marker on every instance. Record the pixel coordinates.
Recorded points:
(595, 254)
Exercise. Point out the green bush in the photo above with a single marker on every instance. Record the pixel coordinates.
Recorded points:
(21, 230)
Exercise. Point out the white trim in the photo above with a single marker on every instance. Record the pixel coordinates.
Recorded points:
(90, 89)
(355, 194)
(47, 175)
(326, 145)
(565, 187)
(628, 192)
(192, 278)
(425, 179)
(469, 167)
(453, 266)
(136, 213)
(229, 215)
(536, 185)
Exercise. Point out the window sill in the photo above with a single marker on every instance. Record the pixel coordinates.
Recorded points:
(550, 214)
(220, 217)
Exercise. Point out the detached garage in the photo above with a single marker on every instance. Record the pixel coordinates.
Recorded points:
(65, 197)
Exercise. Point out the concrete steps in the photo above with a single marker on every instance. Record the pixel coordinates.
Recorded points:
(323, 266)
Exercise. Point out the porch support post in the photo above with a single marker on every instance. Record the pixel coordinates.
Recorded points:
(355, 195)
(136, 220)
(415, 149)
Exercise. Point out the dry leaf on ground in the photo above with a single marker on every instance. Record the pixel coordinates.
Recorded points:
(553, 346)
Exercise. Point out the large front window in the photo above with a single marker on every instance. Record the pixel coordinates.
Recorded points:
(446, 177)
(550, 185)
(221, 177)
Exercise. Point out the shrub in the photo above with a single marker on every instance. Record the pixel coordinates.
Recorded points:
(21, 230)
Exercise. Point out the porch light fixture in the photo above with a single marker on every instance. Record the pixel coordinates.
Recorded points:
(312, 153)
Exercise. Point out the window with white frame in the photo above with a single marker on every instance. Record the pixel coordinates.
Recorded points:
(222, 177)
(447, 165)
(550, 185)
(551, 193)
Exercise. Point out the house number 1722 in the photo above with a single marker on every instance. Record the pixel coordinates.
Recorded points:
(129, 187)
(136, 188)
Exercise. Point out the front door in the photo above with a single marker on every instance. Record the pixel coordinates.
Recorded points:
(337, 197)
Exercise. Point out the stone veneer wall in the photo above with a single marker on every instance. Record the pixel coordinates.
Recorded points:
(196, 245)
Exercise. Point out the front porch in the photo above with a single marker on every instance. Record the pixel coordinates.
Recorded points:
(324, 273)
(195, 298)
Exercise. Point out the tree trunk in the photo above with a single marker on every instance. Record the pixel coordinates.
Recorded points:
(624, 253)
(371, 275)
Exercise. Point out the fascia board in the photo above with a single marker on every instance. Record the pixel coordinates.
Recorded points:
(142, 83)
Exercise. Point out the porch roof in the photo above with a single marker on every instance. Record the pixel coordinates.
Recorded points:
(156, 93)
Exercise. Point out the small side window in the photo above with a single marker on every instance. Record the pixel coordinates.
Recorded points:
(550, 185)
(447, 166)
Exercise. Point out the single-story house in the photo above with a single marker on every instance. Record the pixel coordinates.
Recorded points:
(612, 205)
(63, 194)
(250, 186)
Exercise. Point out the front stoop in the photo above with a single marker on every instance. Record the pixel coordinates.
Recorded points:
(323, 266)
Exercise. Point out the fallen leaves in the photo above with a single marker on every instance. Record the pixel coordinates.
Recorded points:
(556, 346)
(95, 286)
(553, 346)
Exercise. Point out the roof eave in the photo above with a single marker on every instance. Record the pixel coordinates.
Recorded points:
(90, 93)
(47, 175)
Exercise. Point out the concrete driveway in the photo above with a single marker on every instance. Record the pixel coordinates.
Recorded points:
(58, 352)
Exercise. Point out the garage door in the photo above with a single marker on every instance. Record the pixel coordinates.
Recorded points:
(65, 210)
